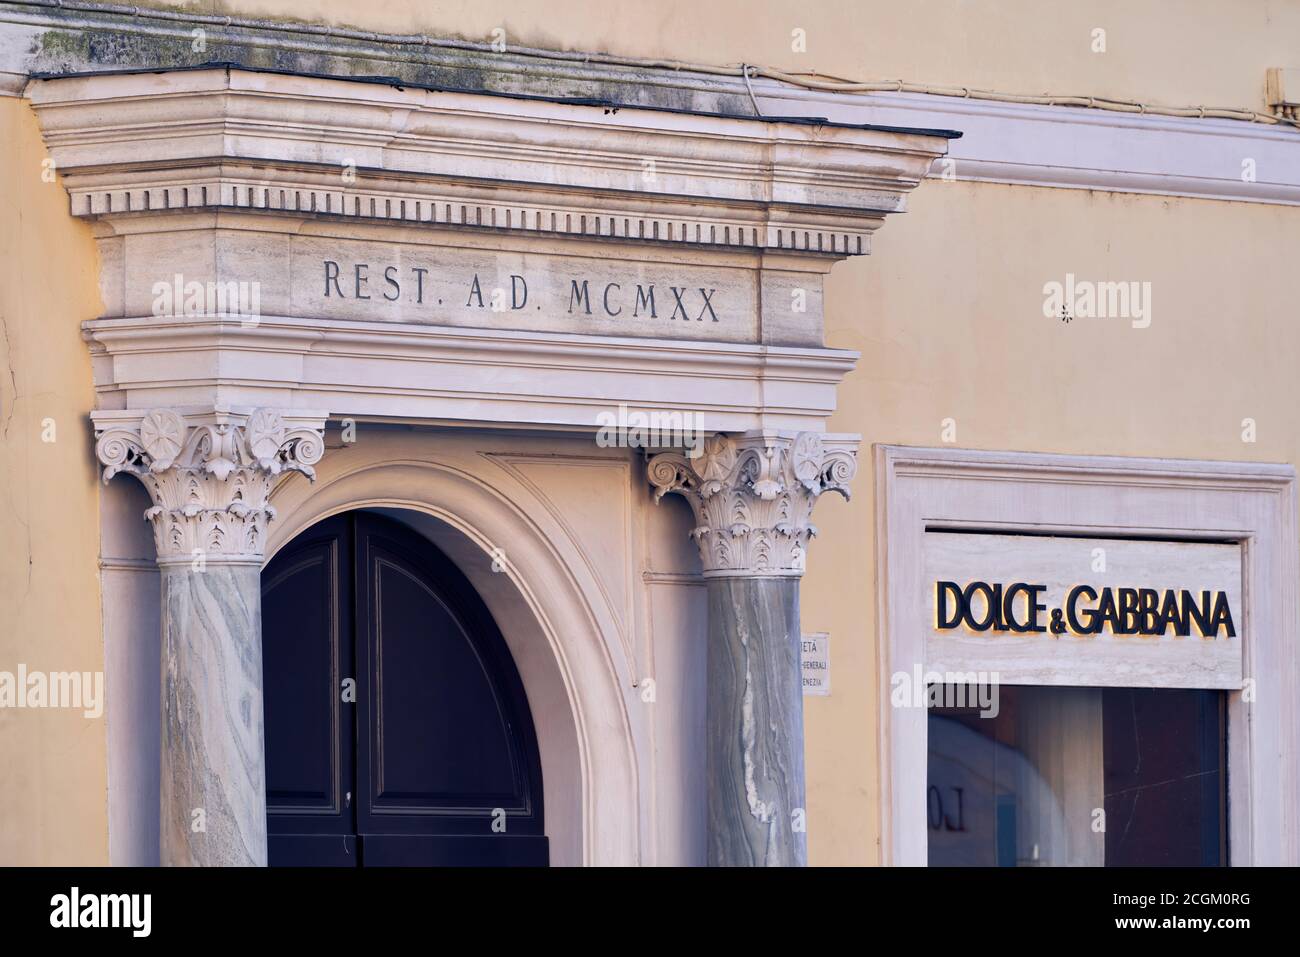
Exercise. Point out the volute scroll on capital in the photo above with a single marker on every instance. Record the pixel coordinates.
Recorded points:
(210, 475)
(753, 496)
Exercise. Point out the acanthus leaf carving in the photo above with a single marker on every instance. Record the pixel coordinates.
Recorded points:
(209, 475)
(753, 496)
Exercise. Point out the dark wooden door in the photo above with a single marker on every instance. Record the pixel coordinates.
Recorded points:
(397, 731)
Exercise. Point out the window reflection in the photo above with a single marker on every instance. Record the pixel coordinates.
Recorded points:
(1078, 777)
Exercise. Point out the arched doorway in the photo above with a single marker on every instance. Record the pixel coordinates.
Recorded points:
(397, 730)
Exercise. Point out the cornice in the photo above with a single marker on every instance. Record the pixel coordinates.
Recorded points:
(1085, 470)
(1064, 147)
(64, 36)
(1003, 142)
(227, 138)
(1020, 144)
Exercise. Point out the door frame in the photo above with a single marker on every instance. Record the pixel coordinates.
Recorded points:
(552, 610)
(359, 540)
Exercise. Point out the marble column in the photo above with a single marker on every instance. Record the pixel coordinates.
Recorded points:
(210, 475)
(753, 496)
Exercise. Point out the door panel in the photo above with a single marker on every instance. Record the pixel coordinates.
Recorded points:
(421, 757)
(445, 707)
(436, 762)
(306, 654)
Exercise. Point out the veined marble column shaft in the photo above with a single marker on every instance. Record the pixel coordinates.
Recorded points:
(755, 723)
(209, 476)
(753, 496)
(213, 764)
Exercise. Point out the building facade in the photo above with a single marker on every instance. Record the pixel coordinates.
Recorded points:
(482, 399)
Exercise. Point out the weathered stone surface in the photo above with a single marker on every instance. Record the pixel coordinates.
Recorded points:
(755, 724)
(213, 795)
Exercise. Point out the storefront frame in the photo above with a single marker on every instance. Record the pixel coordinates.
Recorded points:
(1253, 504)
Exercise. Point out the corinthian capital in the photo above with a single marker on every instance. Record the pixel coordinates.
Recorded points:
(209, 473)
(753, 496)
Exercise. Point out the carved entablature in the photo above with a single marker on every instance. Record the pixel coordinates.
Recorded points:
(228, 138)
(210, 475)
(269, 239)
(753, 496)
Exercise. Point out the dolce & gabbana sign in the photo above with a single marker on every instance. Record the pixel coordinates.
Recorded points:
(1084, 611)
(1150, 612)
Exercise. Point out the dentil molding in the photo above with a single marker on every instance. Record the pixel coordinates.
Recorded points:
(753, 496)
(209, 474)
(227, 138)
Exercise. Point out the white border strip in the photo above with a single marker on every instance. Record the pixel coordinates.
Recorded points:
(1075, 148)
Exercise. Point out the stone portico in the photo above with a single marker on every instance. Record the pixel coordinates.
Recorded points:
(426, 300)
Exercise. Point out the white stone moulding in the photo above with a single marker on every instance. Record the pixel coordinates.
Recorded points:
(231, 138)
(1066, 147)
(419, 372)
(1252, 504)
(225, 175)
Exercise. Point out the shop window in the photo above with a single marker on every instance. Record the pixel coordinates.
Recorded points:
(1056, 776)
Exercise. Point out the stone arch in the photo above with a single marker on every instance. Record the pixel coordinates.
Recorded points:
(550, 612)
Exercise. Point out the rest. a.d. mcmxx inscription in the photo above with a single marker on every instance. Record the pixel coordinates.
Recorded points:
(581, 296)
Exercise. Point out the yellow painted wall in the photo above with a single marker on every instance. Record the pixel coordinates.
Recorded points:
(1202, 52)
(947, 313)
(53, 767)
